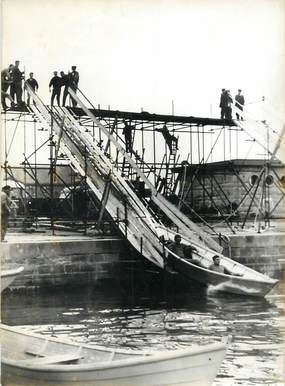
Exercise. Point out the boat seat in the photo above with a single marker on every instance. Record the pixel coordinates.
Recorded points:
(52, 359)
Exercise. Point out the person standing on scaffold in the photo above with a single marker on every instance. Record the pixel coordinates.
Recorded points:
(239, 98)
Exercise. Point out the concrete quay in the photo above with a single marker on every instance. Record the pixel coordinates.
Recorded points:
(263, 251)
(60, 260)
(69, 259)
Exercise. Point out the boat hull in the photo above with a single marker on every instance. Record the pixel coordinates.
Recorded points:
(196, 366)
(222, 282)
(9, 275)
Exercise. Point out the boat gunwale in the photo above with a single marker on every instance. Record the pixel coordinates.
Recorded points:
(268, 280)
(139, 357)
(11, 272)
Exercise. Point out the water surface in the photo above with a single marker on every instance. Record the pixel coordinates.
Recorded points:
(163, 320)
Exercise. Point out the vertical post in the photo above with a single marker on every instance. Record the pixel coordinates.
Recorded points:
(198, 138)
(5, 146)
(126, 219)
(35, 158)
(154, 153)
(85, 191)
(211, 144)
(268, 169)
(72, 195)
(142, 134)
(118, 215)
(110, 130)
(25, 153)
(237, 130)
(224, 136)
(203, 144)
(51, 144)
(230, 144)
(141, 245)
(191, 152)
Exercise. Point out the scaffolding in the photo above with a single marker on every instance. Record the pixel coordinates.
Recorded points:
(165, 163)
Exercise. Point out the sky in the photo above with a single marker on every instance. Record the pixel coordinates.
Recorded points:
(149, 54)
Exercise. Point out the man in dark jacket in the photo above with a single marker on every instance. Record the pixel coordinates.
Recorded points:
(74, 80)
(229, 101)
(16, 85)
(55, 83)
(170, 139)
(6, 81)
(239, 98)
(223, 103)
(33, 84)
(127, 131)
(65, 82)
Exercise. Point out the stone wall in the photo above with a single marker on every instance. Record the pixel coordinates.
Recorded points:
(60, 263)
(264, 252)
(84, 262)
(227, 185)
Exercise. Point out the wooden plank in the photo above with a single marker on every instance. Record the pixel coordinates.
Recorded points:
(51, 359)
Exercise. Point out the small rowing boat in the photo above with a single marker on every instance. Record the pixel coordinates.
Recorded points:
(8, 275)
(32, 359)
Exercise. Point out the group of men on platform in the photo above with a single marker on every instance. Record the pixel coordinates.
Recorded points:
(226, 101)
(64, 80)
(12, 78)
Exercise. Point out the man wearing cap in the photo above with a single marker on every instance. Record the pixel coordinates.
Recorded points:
(74, 80)
(5, 210)
(239, 98)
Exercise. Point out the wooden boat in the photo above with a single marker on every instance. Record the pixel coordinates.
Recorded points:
(8, 275)
(32, 360)
(244, 281)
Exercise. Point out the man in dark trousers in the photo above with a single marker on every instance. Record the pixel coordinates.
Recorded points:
(229, 101)
(127, 131)
(33, 84)
(6, 81)
(74, 80)
(170, 139)
(55, 83)
(223, 102)
(239, 98)
(16, 85)
(65, 82)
